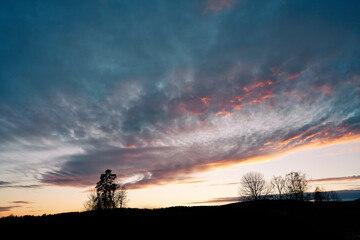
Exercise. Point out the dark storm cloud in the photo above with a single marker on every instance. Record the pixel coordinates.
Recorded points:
(163, 89)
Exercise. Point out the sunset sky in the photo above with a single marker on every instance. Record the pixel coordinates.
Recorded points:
(178, 98)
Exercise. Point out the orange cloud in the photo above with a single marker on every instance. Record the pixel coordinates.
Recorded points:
(293, 76)
(312, 135)
(276, 71)
(205, 100)
(257, 85)
(238, 107)
(223, 112)
(239, 98)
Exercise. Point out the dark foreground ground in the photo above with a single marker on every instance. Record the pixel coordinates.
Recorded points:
(248, 220)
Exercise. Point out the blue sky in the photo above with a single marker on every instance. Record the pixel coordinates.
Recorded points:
(161, 90)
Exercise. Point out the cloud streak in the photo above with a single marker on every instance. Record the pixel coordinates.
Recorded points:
(7, 208)
(221, 200)
(336, 179)
(21, 202)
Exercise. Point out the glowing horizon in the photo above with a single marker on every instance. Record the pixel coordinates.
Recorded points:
(220, 183)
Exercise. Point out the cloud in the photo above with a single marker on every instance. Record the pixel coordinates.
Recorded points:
(151, 166)
(21, 202)
(218, 5)
(2, 183)
(336, 179)
(22, 186)
(188, 92)
(172, 153)
(7, 208)
(221, 200)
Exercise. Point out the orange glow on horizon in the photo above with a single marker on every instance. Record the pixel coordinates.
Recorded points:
(187, 179)
(273, 155)
(226, 163)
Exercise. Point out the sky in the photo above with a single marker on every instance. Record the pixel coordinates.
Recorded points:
(178, 98)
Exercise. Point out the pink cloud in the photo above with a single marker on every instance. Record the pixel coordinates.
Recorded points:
(346, 178)
(325, 89)
(218, 5)
(293, 76)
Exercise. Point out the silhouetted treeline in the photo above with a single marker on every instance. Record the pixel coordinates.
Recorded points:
(294, 186)
(263, 219)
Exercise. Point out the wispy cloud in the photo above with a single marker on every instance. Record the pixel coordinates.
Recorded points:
(218, 5)
(22, 186)
(20, 202)
(7, 208)
(220, 200)
(2, 183)
(336, 179)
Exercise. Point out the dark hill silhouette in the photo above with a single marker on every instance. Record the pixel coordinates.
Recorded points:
(267, 219)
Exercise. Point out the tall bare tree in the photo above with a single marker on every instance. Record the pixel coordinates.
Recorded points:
(253, 187)
(91, 203)
(296, 185)
(121, 198)
(279, 185)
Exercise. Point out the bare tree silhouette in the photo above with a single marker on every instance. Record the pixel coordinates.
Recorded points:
(279, 185)
(296, 185)
(253, 187)
(91, 203)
